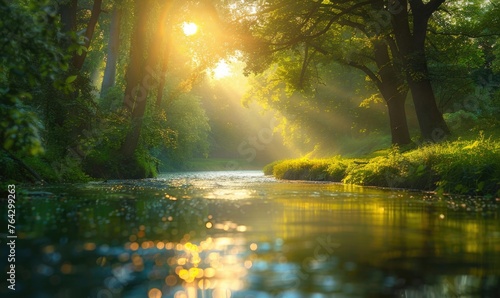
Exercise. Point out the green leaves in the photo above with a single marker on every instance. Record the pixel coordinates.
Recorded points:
(30, 55)
(20, 128)
(70, 79)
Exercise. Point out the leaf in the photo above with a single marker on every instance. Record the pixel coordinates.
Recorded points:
(70, 79)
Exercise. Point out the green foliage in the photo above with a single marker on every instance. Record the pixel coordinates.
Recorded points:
(469, 167)
(333, 169)
(188, 130)
(147, 165)
(20, 127)
(463, 167)
(30, 53)
(269, 168)
(301, 169)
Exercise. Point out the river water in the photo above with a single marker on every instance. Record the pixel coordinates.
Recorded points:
(243, 234)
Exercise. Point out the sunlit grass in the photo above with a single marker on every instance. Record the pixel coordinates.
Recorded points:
(461, 166)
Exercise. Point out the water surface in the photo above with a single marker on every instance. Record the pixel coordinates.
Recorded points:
(242, 234)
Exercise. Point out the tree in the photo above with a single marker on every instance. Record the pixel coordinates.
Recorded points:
(113, 49)
(315, 27)
(282, 25)
(461, 59)
(411, 44)
(151, 53)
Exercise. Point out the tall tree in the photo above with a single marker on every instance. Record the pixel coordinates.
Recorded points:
(113, 50)
(410, 34)
(150, 53)
(68, 12)
(136, 92)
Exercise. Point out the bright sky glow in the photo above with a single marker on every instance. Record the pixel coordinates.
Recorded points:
(189, 28)
(222, 70)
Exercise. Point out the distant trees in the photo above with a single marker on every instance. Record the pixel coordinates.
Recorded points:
(109, 76)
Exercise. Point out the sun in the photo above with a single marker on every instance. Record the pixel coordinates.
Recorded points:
(222, 70)
(189, 28)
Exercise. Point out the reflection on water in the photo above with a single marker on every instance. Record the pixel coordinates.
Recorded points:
(241, 234)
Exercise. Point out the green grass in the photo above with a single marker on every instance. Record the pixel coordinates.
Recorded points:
(461, 166)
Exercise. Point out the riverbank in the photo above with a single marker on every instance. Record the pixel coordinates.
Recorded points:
(463, 166)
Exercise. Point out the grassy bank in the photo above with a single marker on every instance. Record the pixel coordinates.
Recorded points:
(462, 167)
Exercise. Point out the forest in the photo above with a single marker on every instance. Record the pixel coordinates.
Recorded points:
(398, 93)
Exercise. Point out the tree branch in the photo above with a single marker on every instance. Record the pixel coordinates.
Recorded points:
(464, 34)
(333, 19)
(368, 72)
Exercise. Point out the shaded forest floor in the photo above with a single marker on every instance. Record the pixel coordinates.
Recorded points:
(463, 165)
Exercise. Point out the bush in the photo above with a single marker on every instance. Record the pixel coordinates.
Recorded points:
(304, 169)
(469, 167)
(269, 168)
(463, 167)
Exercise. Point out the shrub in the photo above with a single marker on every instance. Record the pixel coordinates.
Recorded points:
(269, 168)
(463, 167)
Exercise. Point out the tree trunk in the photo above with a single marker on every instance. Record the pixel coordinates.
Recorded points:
(67, 11)
(397, 119)
(412, 48)
(164, 68)
(430, 119)
(113, 49)
(89, 32)
(137, 87)
(394, 92)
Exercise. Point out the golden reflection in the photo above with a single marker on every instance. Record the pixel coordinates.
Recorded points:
(160, 245)
(215, 264)
(154, 293)
(205, 284)
(141, 234)
(209, 272)
(49, 249)
(66, 268)
(230, 194)
(219, 264)
(170, 280)
(241, 229)
(180, 294)
(89, 246)
(248, 264)
(134, 246)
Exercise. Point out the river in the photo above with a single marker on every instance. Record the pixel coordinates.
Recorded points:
(241, 234)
